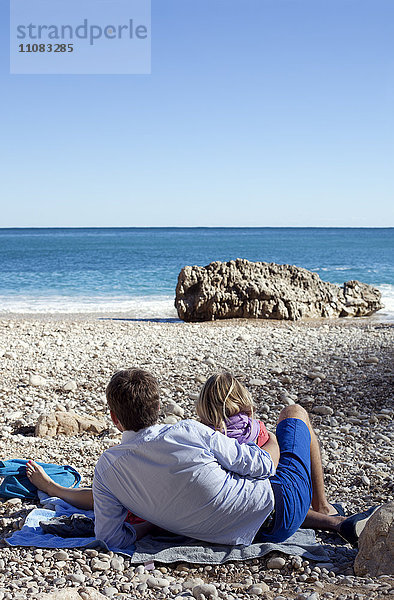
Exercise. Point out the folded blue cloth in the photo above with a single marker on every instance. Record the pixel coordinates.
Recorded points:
(17, 485)
(77, 525)
(32, 534)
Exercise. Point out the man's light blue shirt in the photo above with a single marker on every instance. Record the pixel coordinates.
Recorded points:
(185, 478)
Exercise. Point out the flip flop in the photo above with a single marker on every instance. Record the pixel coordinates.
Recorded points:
(350, 529)
(339, 508)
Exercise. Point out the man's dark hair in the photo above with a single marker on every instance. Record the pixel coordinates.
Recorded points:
(133, 395)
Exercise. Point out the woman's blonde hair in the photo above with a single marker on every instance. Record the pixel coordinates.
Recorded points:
(222, 397)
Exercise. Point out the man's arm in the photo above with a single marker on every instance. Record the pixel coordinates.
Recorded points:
(245, 459)
(109, 518)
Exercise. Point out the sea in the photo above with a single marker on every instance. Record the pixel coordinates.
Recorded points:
(134, 271)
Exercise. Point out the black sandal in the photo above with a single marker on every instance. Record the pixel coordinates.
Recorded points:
(339, 508)
(351, 528)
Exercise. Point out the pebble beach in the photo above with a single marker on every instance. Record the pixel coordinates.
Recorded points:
(341, 371)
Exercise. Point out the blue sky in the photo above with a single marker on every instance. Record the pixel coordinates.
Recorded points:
(257, 113)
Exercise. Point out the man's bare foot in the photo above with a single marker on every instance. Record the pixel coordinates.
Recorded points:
(37, 476)
(337, 521)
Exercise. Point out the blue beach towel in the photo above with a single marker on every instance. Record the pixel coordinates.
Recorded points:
(17, 485)
(164, 548)
(32, 534)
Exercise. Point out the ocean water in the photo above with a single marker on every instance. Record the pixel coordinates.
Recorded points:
(134, 271)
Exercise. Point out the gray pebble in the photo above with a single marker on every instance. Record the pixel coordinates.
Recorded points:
(100, 565)
(258, 589)
(70, 386)
(110, 591)
(276, 562)
(256, 382)
(117, 564)
(60, 555)
(205, 591)
(77, 577)
(323, 410)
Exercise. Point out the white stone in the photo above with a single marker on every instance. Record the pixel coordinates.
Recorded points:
(189, 584)
(276, 562)
(258, 589)
(172, 408)
(323, 410)
(256, 382)
(316, 375)
(205, 591)
(209, 361)
(171, 420)
(37, 380)
(109, 591)
(151, 581)
(289, 401)
(77, 577)
(68, 594)
(372, 360)
(261, 351)
(70, 386)
(117, 563)
(100, 565)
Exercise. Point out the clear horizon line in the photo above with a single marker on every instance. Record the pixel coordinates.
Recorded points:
(199, 227)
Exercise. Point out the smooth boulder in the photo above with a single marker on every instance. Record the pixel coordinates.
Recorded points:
(86, 594)
(67, 423)
(376, 544)
(259, 290)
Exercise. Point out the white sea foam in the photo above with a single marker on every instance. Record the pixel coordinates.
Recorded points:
(344, 268)
(388, 300)
(143, 307)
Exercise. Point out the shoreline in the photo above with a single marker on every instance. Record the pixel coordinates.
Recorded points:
(122, 316)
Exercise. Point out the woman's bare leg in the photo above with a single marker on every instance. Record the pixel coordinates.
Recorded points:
(78, 497)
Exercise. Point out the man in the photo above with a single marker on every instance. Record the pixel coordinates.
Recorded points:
(197, 482)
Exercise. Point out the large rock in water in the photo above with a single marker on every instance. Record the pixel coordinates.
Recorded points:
(376, 544)
(259, 290)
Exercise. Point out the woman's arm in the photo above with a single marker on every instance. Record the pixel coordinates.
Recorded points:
(247, 460)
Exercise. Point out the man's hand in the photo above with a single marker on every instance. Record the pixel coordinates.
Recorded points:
(272, 447)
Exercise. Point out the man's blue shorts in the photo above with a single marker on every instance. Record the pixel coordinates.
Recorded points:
(291, 483)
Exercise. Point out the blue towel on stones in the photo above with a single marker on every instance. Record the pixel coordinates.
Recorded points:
(32, 534)
(169, 549)
(164, 548)
(17, 485)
